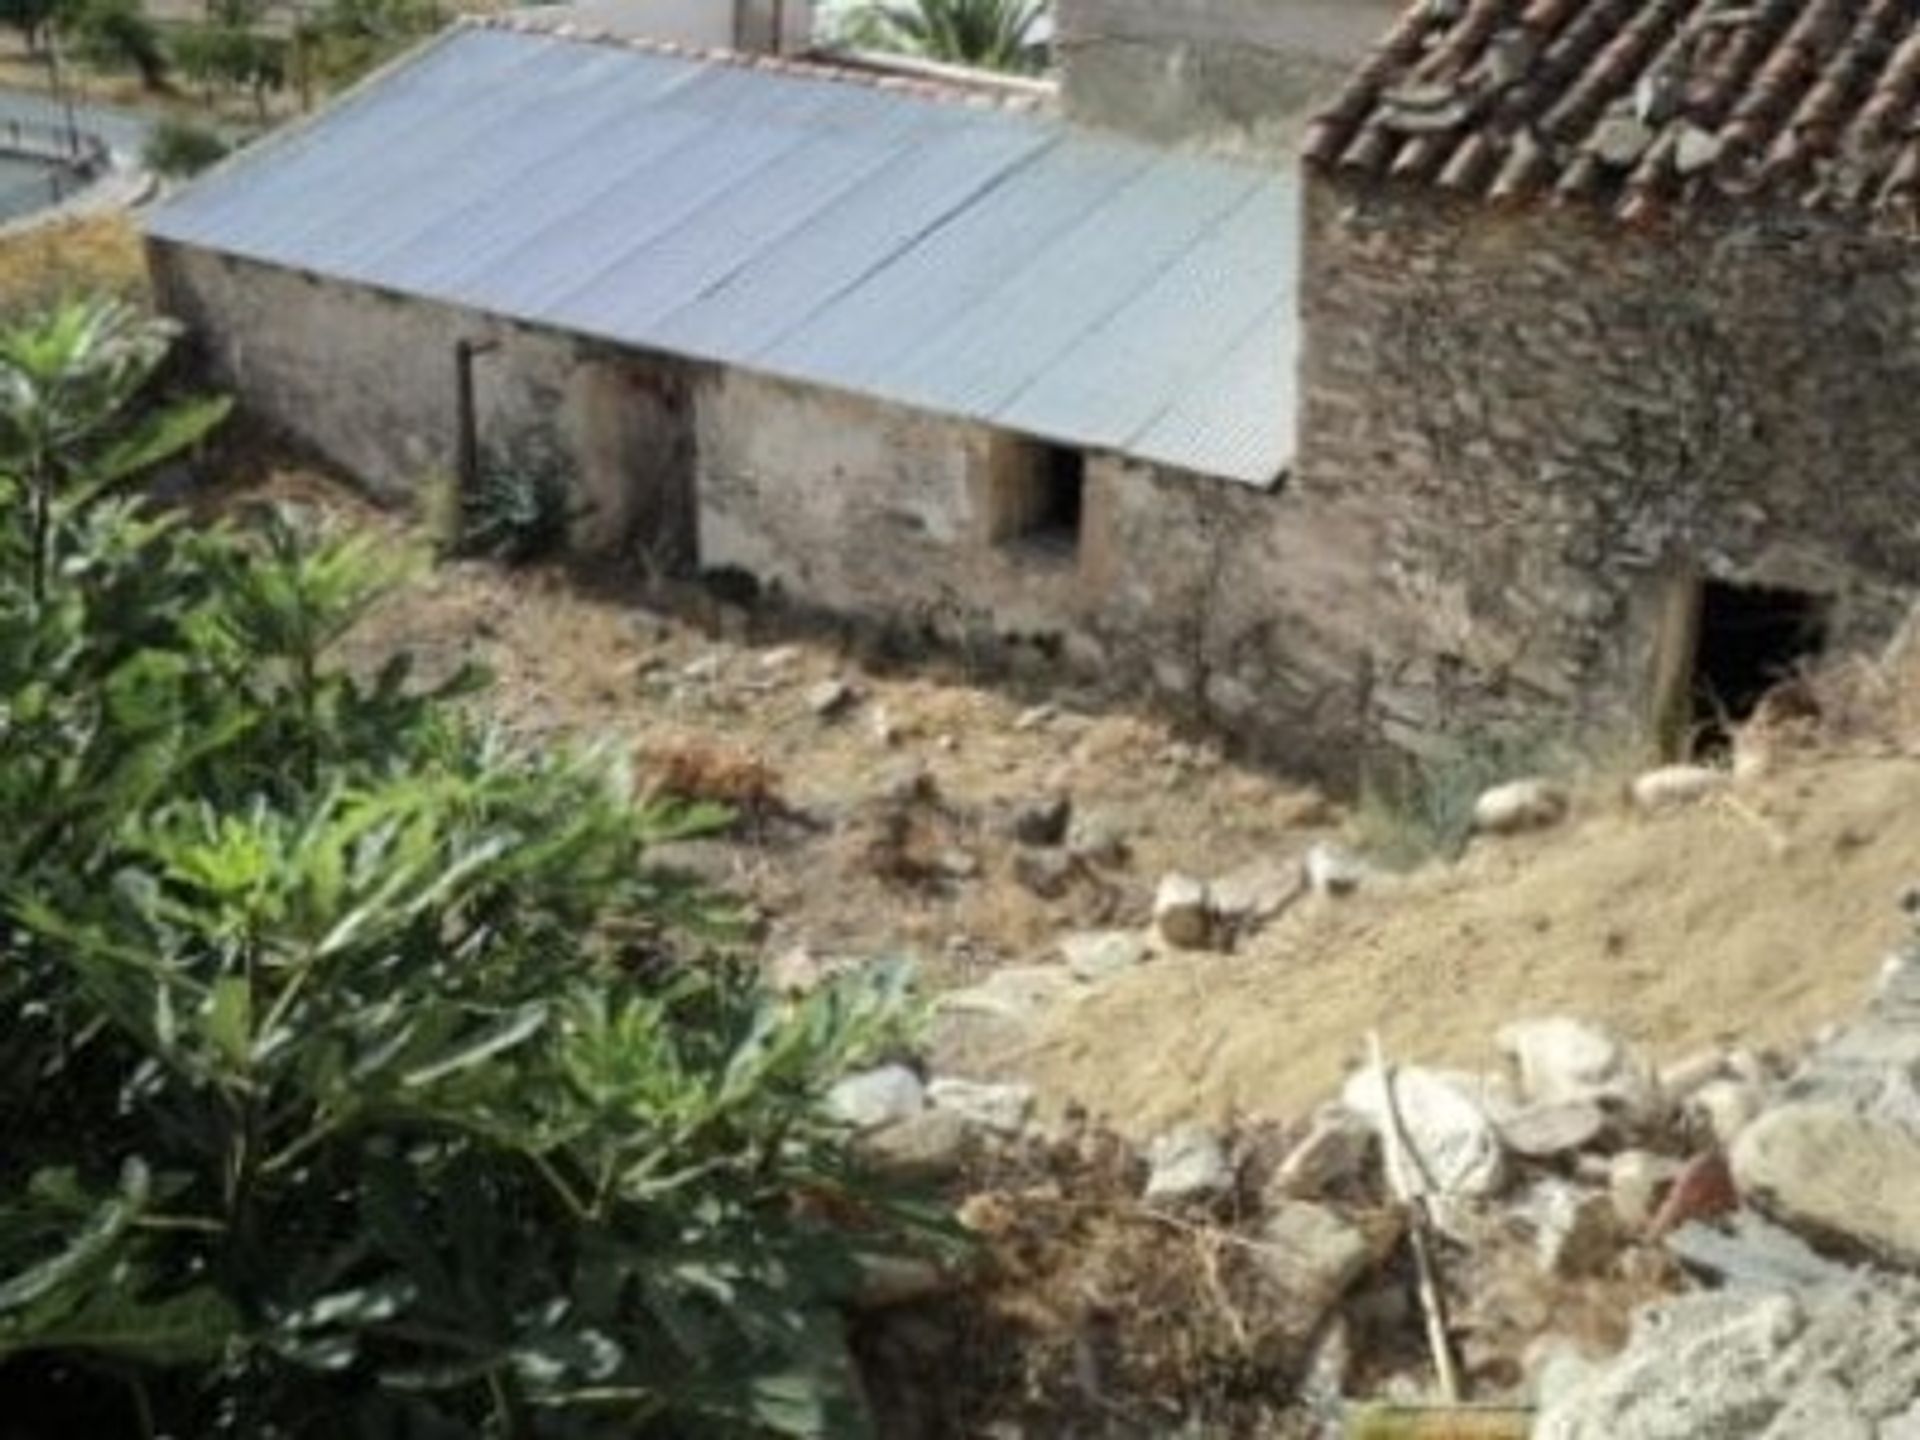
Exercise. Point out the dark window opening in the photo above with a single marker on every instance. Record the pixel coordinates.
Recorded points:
(1751, 638)
(1042, 498)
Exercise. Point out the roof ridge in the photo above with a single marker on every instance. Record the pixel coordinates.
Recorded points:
(925, 83)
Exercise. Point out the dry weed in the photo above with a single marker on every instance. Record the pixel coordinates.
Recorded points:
(699, 773)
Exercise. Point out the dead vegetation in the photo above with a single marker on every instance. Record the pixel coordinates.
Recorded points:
(45, 263)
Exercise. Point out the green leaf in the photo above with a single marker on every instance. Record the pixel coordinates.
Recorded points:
(229, 1021)
(515, 1030)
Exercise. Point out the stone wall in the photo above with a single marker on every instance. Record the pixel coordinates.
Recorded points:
(1236, 74)
(1251, 609)
(367, 380)
(1554, 424)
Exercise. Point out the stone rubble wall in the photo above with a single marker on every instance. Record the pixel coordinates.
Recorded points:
(1550, 418)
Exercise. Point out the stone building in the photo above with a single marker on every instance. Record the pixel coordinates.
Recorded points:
(932, 359)
(1612, 319)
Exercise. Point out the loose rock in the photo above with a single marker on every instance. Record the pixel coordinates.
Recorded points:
(830, 698)
(1575, 1230)
(1727, 1107)
(1188, 1164)
(929, 1146)
(1558, 1127)
(1842, 1364)
(1181, 913)
(1453, 1142)
(1675, 786)
(1004, 1109)
(1256, 894)
(1835, 1175)
(877, 1097)
(1520, 806)
(1313, 1257)
(1097, 955)
(1332, 870)
(1561, 1059)
(1098, 840)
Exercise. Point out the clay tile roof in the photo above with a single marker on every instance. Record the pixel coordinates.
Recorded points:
(1641, 106)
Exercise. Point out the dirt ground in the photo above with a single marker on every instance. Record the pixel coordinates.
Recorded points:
(1749, 920)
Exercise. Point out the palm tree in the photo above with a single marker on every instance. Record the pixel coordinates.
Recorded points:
(988, 34)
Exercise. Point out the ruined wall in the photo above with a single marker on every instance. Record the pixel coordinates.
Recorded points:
(367, 380)
(1240, 74)
(1551, 422)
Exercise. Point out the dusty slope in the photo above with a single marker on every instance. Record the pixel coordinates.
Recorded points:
(1750, 920)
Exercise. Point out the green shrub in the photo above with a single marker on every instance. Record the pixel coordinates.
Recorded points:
(178, 149)
(1413, 810)
(522, 504)
(362, 1078)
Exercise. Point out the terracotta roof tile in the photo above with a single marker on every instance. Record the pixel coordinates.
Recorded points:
(1641, 106)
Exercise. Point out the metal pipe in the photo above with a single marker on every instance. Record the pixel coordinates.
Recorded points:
(466, 435)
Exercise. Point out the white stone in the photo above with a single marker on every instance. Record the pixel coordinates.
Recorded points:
(1674, 786)
(1332, 870)
(1680, 1080)
(1017, 992)
(1455, 1149)
(1095, 955)
(1558, 1058)
(1558, 1127)
(1727, 1107)
(1189, 1163)
(927, 1146)
(1520, 806)
(1181, 913)
(877, 1097)
(1001, 1108)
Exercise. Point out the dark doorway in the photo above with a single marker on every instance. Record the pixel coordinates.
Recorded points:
(1751, 637)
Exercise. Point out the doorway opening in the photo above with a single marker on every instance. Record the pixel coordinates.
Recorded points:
(1750, 639)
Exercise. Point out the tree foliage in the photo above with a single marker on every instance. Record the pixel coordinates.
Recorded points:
(362, 1077)
(988, 34)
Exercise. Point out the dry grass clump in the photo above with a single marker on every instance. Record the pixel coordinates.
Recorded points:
(99, 254)
(699, 773)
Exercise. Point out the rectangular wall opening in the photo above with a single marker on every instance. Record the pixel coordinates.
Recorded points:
(1750, 638)
(1038, 497)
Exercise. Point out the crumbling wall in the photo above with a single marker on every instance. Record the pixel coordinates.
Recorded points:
(1554, 421)
(1242, 74)
(366, 379)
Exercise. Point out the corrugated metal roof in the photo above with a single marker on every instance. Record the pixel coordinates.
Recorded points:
(968, 261)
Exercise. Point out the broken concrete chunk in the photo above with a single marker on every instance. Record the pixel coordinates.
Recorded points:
(1674, 786)
(1836, 1176)
(1451, 1144)
(877, 1097)
(1003, 1108)
(1181, 913)
(1096, 955)
(1188, 1164)
(1520, 806)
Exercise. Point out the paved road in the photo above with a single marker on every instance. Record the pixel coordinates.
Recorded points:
(123, 129)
